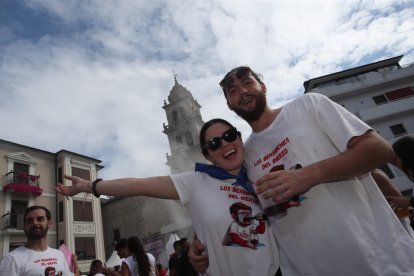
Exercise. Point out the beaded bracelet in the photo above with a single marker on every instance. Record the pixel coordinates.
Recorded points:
(95, 193)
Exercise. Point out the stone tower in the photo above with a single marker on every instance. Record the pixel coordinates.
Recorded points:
(153, 219)
(184, 124)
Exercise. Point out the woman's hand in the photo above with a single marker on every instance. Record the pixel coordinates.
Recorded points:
(398, 202)
(200, 262)
(79, 185)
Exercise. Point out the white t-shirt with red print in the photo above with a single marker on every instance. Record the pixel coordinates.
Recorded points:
(27, 262)
(208, 200)
(341, 228)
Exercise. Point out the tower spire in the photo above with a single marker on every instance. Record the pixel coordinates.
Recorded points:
(175, 76)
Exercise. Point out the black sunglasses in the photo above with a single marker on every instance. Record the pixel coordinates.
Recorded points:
(229, 136)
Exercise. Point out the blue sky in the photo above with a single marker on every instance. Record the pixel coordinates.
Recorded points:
(91, 76)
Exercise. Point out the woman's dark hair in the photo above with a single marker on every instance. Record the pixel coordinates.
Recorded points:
(204, 130)
(404, 149)
(143, 267)
(121, 244)
(92, 268)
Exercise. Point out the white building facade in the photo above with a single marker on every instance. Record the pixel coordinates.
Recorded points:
(382, 95)
(29, 178)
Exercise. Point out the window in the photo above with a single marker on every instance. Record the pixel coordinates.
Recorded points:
(82, 173)
(20, 168)
(407, 193)
(18, 207)
(398, 130)
(400, 93)
(189, 138)
(179, 140)
(85, 248)
(175, 116)
(60, 175)
(20, 173)
(117, 234)
(82, 211)
(61, 217)
(381, 99)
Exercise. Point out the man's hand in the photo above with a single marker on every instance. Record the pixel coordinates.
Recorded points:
(363, 154)
(199, 262)
(282, 185)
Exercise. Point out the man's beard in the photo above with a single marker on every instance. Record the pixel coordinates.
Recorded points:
(254, 115)
(33, 236)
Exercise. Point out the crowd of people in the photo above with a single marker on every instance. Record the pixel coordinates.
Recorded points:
(301, 196)
(134, 261)
(37, 258)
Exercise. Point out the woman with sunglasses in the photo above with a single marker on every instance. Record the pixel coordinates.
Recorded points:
(222, 204)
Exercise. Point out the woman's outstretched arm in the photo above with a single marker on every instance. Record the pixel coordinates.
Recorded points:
(158, 186)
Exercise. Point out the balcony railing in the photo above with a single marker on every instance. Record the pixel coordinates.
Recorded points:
(12, 221)
(22, 183)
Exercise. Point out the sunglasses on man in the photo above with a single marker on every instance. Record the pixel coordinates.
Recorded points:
(229, 135)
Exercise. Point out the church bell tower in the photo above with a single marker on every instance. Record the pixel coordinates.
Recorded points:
(184, 124)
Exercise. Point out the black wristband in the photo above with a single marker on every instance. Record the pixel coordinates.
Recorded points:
(95, 193)
(412, 201)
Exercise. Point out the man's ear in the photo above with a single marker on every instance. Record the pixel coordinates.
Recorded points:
(228, 105)
(49, 223)
(264, 88)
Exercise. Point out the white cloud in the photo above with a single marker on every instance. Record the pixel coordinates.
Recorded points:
(94, 82)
